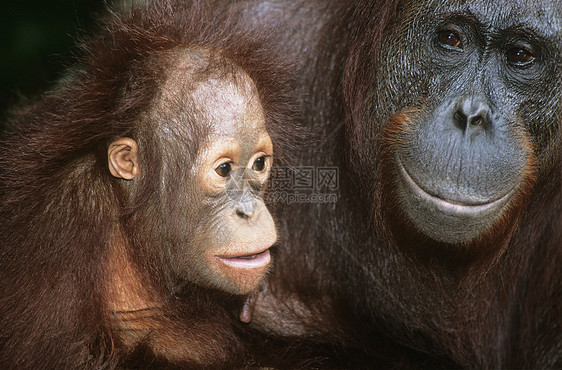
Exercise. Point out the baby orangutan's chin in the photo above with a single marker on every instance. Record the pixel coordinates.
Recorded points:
(242, 273)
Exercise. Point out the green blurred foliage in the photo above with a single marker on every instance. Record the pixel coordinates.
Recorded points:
(36, 43)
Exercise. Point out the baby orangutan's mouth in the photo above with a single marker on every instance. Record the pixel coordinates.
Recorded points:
(247, 261)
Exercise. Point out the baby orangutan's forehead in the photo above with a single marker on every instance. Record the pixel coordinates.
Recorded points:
(231, 107)
(214, 92)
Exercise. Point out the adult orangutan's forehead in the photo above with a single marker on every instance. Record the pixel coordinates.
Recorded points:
(542, 16)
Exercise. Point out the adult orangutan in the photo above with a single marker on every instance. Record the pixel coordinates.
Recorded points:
(443, 118)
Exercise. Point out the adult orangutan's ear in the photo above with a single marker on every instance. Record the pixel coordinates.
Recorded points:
(122, 158)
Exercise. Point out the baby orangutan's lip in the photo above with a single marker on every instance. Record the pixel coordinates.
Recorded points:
(248, 261)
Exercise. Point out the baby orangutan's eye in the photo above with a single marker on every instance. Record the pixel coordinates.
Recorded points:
(259, 164)
(224, 169)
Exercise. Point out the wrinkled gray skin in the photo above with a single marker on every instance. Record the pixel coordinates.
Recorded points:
(460, 162)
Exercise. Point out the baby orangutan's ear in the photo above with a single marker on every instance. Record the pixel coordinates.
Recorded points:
(122, 158)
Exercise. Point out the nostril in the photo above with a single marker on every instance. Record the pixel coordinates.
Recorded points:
(471, 112)
(475, 121)
(241, 214)
(460, 120)
(244, 214)
(460, 117)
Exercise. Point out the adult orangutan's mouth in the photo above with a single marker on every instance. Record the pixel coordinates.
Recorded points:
(455, 208)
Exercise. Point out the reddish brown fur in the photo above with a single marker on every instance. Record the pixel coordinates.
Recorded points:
(66, 259)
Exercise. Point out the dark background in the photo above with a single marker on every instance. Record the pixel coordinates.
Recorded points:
(37, 40)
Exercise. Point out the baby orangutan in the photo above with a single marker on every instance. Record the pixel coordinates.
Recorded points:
(209, 227)
(141, 227)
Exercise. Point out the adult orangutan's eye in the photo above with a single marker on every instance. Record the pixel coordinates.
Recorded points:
(520, 56)
(449, 39)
